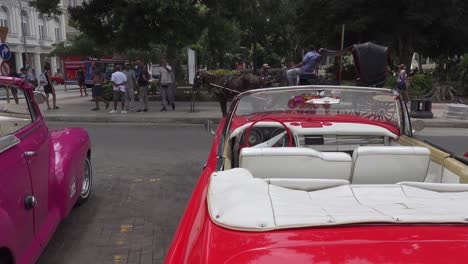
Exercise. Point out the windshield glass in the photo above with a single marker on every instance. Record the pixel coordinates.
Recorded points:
(378, 105)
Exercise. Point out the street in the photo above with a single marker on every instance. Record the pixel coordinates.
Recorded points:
(144, 175)
(454, 140)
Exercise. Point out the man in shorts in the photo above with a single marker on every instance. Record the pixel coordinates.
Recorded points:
(49, 87)
(98, 80)
(118, 80)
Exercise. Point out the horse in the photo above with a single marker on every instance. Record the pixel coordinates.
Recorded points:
(233, 85)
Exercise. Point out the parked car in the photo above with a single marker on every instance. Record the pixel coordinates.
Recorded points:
(43, 173)
(324, 174)
(57, 79)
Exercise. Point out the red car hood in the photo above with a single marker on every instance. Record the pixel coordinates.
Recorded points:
(353, 244)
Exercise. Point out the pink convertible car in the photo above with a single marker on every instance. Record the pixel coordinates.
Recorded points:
(43, 174)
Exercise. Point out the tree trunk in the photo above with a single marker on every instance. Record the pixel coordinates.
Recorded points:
(420, 70)
(406, 50)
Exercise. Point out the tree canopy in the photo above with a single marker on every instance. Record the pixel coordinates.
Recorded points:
(268, 31)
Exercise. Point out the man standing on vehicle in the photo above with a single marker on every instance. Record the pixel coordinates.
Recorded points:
(130, 86)
(165, 77)
(143, 83)
(309, 64)
(98, 79)
(118, 80)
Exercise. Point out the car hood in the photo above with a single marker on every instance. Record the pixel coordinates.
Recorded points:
(343, 244)
(359, 252)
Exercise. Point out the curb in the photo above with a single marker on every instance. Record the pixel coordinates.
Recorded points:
(443, 123)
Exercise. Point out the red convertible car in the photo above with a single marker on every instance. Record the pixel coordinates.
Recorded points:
(43, 173)
(324, 174)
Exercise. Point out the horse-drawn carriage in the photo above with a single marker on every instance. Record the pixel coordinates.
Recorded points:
(371, 63)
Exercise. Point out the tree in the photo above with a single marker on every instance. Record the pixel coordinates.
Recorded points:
(407, 26)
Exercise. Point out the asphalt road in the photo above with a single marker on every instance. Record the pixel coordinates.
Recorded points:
(144, 176)
(454, 140)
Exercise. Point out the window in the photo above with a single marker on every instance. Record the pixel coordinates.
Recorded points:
(3, 16)
(58, 30)
(42, 27)
(25, 23)
(14, 110)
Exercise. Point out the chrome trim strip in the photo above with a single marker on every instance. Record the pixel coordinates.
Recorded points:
(7, 142)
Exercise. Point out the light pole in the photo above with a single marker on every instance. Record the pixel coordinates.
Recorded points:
(23, 32)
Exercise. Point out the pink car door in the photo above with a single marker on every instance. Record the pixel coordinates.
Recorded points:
(35, 146)
(16, 210)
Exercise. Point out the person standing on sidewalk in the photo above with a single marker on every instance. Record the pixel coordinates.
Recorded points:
(98, 80)
(165, 77)
(49, 87)
(28, 77)
(118, 80)
(402, 82)
(130, 87)
(143, 83)
(80, 78)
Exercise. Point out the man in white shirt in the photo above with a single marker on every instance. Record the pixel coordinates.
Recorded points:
(165, 77)
(118, 81)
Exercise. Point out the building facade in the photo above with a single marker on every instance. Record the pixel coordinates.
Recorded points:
(31, 35)
(71, 31)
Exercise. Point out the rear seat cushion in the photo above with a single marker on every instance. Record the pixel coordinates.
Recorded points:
(292, 162)
(389, 165)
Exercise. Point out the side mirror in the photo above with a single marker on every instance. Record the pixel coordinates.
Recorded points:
(417, 125)
(210, 127)
(39, 97)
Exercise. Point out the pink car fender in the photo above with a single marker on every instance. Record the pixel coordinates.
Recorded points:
(70, 147)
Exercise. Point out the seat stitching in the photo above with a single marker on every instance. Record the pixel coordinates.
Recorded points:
(272, 208)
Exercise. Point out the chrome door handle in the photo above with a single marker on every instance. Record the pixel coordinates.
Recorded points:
(30, 153)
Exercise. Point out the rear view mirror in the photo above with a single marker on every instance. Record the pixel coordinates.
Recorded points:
(417, 125)
(39, 97)
(210, 127)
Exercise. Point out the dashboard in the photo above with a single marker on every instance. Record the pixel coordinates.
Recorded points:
(259, 135)
(321, 136)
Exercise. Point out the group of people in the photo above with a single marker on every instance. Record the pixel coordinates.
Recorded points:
(124, 84)
(44, 80)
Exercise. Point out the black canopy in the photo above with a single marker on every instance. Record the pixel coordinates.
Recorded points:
(371, 62)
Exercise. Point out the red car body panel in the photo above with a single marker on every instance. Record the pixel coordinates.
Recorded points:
(49, 175)
(199, 240)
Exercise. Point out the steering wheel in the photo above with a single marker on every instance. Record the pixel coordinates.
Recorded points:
(286, 128)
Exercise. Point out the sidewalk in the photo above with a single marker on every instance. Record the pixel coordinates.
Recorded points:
(74, 108)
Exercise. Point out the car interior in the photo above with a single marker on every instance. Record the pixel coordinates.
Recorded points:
(332, 176)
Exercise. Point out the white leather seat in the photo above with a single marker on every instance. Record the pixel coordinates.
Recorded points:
(295, 162)
(389, 164)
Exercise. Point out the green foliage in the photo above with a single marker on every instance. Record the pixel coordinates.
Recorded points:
(391, 82)
(420, 84)
(107, 92)
(49, 7)
(224, 72)
(82, 45)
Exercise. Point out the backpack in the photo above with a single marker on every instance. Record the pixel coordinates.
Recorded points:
(42, 79)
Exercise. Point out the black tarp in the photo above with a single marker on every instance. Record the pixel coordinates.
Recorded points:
(371, 62)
